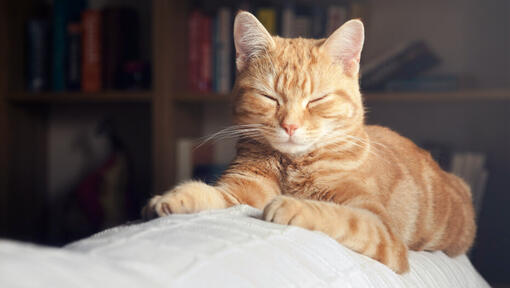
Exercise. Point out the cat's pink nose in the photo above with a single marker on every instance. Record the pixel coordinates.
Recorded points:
(290, 128)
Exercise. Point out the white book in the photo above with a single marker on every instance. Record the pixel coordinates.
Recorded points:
(184, 159)
(457, 166)
(469, 168)
(479, 191)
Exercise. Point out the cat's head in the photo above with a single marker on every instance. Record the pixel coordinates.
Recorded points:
(297, 93)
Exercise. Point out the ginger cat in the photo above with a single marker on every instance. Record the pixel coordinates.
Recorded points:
(306, 157)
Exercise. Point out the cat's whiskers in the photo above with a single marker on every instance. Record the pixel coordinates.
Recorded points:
(231, 132)
(338, 139)
(372, 148)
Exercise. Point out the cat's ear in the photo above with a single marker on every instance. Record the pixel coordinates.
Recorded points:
(250, 38)
(345, 45)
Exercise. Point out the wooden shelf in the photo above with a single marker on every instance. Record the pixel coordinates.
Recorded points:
(80, 97)
(199, 97)
(464, 95)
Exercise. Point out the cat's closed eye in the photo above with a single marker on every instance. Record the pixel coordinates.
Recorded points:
(317, 100)
(270, 98)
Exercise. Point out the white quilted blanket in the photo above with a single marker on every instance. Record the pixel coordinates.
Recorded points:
(225, 248)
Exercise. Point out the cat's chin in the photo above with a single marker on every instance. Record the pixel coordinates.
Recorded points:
(291, 148)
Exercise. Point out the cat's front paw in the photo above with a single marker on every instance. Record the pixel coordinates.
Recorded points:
(289, 211)
(186, 198)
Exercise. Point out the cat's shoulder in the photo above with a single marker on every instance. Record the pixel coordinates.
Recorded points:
(380, 131)
(386, 135)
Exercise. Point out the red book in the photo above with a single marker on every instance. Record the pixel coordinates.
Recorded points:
(205, 70)
(194, 23)
(91, 59)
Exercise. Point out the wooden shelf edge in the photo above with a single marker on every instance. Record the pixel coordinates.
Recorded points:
(80, 97)
(202, 97)
(462, 95)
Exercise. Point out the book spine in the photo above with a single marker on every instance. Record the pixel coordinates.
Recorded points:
(91, 59)
(184, 159)
(267, 16)
(407, 63)
(37, 68)
(74, 56)
(205, 44)
(193, 49)
(59, 45)
(287, 23)
(224, 50)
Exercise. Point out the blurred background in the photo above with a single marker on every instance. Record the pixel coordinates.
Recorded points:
(102, 102)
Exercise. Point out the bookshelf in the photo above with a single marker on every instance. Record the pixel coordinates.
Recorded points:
(25, 116)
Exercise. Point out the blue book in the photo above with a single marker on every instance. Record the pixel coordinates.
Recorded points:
(37, 55)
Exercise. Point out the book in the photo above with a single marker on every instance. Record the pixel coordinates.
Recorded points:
(287, 20)
(223, 51)
(120, 43)
(197, 161)
(267, 16)
(194, 21)
(91, 51)
(74, 56)
(205, 54)
(470, 167)
(37, 55)
(403, 62)
(59, 55)
(184, 161)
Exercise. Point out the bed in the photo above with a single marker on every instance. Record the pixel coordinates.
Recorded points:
(222, 248)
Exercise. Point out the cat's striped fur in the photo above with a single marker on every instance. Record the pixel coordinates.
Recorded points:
(369, 188)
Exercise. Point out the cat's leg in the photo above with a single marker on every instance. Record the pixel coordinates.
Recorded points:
(188, 197)
(242, 185)
(360, 229)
